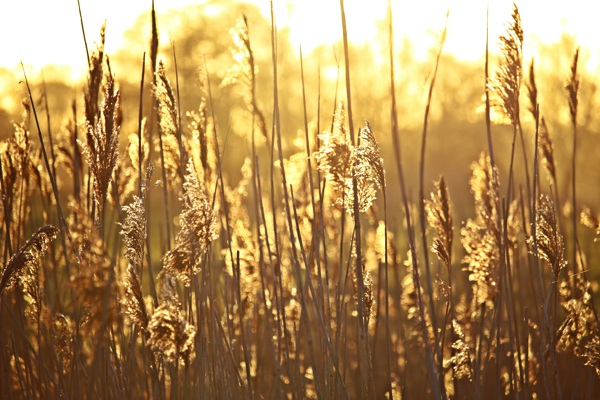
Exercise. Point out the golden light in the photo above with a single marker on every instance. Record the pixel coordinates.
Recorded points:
(52, 33)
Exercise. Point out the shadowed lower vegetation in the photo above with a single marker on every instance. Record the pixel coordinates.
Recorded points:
(313, 271)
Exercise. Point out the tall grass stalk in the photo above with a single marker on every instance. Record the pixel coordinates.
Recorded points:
(433, 375)
(155, 69)
(365, 363)
(430, 294)
(572, 88)
(87, 51)
(488, 119)
(277, 276)
(61, 216)
(182, 154)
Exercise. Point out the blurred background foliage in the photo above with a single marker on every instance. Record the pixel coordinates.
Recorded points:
(200, 37)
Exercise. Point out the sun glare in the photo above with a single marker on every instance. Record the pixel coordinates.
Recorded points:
(52, 34)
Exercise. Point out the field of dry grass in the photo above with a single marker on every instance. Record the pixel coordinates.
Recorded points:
(137, 267)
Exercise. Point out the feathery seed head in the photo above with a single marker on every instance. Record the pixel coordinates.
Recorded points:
(62, 334)
(461, 360)
(508, 78)
(102, 150)
(589, 219)
(133, 299)
(167, 143)
(27, 255)
(198, 229)
(439, 216)
(572, 88)
(579, 331)
(485, 186)
(532, 91)
(341, 162)
(243, 70)
(93, 281)
(134, 229)
(549, 241)
(169, 332)
(481, 237)
(95, 73)
(547, 149)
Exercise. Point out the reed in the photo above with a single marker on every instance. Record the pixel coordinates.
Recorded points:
(304, 275)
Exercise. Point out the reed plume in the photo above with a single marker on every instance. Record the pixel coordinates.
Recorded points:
(244, 72)
(133, 299)
(592, 353)
(169, 332)
(579, 332)
(168, 125)
(18, 173)
(63, 337)
(102, 150)
(439, 216)
(589, 219)
(547, 149)
(368, 298)
(334, 157)
(550, 243)
(545, 141)
(367, 169)
(507, 82)
(485, 184)
(198, 229)
(153, 39)
(94, 81)
(28, 255)
(572, 88)
(134, 232)
(461, 360)
(369, 154)
(481, 237)
(93, 282)
(532, 90)
(340, 162)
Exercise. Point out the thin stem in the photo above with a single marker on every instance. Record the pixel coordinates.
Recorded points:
(365, 363)
(488, 120)
(422, 217)
(410, 228)
(87, 51)
(63, 222)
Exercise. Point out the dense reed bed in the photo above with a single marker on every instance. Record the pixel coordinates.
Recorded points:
(134, 267)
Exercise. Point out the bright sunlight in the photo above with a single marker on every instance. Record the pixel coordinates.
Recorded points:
(56, 37)
(218, 199)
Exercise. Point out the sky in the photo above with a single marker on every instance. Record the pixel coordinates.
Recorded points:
(40, 32)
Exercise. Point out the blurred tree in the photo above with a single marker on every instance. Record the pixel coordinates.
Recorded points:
(202, 41)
